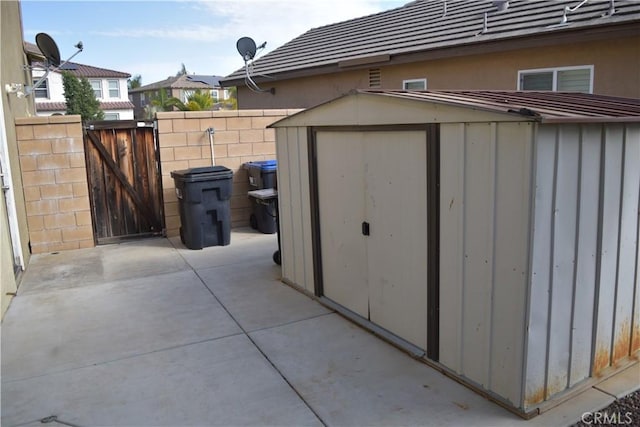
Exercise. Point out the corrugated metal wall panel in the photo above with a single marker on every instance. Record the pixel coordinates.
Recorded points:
(584, 255)
(479, 222)
(628, 249)
(536, 349)
(511, 257)
(294, 205)
(284, 203)
(485, 193)
(610, 218)
(633, 136)
(563, 255)
(293, 150)
(305, 209)
(587, 249)
(452, 199)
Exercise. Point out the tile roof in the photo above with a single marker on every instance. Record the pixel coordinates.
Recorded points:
(82, 70)
(426, 25)
(33, 50)
(78, 70)
(62, 106)
(546, 107)
(188, 81)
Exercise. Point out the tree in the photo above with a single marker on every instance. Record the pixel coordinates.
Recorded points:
(198, 101)
(162, 100)
(80, 98)
(135, 82)
(182, 72)
(232, 102)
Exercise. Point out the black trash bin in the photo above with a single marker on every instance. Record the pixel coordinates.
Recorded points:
(203, 201)
(269, 197)
(262, 175)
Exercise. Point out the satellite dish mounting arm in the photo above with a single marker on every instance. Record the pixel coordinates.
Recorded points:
(30, 89)
(247, 49)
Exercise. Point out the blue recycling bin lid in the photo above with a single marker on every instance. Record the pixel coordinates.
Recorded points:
(263, 165)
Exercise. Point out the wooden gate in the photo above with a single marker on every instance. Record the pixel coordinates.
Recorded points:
(125, 183)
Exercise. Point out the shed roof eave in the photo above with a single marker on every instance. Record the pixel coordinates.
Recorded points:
(561, 120)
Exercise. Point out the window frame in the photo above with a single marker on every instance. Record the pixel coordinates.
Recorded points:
(91, 81)
(44, 86)
(117, 115)
(117, 82)
(405, 82)
(554, 71)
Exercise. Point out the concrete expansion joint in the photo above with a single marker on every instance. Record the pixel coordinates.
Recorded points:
(605, 392)
(266, 357)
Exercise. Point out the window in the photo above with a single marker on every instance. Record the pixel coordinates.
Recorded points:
(226, 94)
(114, 88)
(41, 91)
(97, 87)
(564, 79)
(414, 84)
(214, 95)
(142, 98)
(112, 116)
(186, 94)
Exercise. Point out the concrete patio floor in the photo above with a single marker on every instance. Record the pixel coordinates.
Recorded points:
(149, 333)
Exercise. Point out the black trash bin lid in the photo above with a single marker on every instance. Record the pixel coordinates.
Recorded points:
(205, 173)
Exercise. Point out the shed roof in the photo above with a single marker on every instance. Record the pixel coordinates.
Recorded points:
(544, 107)
(429, 25)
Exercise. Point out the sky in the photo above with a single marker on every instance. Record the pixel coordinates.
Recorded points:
(154, 38)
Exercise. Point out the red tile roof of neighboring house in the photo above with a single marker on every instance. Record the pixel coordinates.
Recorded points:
(81, 70)
(51, 106)
(62, 106)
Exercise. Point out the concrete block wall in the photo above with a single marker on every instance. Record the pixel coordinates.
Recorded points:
(240, 136)
(56, 192)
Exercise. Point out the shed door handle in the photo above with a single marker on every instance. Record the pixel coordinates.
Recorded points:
(365, 228)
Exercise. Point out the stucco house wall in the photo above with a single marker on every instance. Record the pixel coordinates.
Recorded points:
(12, 71)
(615, 63)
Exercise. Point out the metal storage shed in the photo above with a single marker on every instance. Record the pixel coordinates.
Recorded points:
(493, 234)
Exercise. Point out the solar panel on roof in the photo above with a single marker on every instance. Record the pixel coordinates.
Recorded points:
(69, 66)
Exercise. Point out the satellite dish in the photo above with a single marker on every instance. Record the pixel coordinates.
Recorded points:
(246, 47)
(48, 48)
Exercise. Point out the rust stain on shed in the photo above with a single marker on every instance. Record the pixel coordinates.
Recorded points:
(601, 360)
(623, 342)
(558, 384)
(534, 397)
(635, 340)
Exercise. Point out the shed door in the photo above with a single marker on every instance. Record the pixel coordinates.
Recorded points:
(379, 179)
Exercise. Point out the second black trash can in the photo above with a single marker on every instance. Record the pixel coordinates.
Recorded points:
(262, 175)
(203, 201)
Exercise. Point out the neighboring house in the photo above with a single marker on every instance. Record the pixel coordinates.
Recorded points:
(563, 45)
(109, 86)
(181, 87)
(14, 70)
